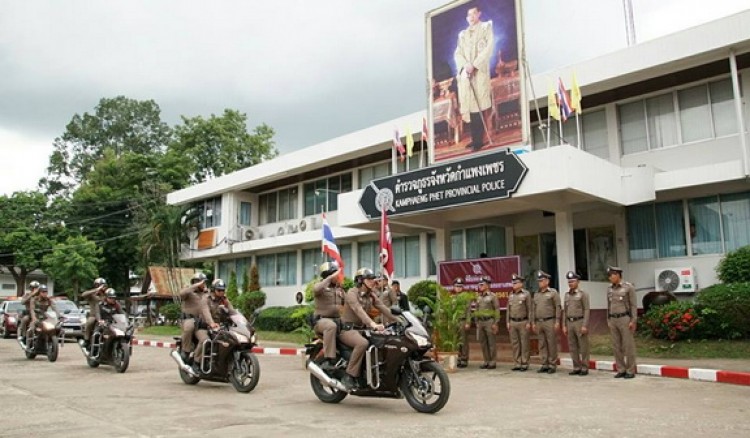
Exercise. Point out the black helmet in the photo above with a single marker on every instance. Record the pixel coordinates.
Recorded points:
(198, 277)
(110, 293)
(328, 268)
(42, 288)
(34, 285)
(365, 273)
(219, 285)
(99, 282)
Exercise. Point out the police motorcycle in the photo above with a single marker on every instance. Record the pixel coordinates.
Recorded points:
(45, 338)
(395, 366)
(110, 342)
(227, 354)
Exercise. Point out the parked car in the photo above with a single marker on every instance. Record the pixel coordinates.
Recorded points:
(9, 317)
(73, 318)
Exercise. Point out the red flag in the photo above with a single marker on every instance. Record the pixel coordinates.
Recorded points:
(424, 131)
(386, 248)
(398, 145)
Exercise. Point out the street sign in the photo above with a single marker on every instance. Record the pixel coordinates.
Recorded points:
(480, 178)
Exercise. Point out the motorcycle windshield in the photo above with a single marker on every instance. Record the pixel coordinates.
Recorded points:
(120, 321)
(240, 324)
(415, 324)
(50, 316)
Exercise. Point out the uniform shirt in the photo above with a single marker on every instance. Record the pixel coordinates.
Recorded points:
(395, 298)
(520, 305)
(39, 305)
(327, 299)
(215, 303)
(26, 299)
(94, 298)
(488, 301)
(107, 311)
(621, 299)
(547, 304)
(196, 303)
(576, 305)
(357, 305)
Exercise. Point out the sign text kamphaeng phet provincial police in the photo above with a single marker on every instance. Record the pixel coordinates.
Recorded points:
(480, 178)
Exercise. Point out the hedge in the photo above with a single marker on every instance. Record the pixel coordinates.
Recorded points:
(281, 319)
(725, 309)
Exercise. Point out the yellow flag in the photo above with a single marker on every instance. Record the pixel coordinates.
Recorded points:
(552, 107)
(409, 142)
(575, 96)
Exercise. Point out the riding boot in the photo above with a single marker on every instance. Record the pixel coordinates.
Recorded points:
(477, 130)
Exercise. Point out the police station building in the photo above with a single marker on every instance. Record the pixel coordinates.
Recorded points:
(659, 185)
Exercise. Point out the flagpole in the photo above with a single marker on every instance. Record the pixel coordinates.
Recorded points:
(549, 128)
(394, 166)
(578, 129)
(560, 132)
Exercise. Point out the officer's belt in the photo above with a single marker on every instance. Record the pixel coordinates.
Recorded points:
(485, 318)
(619, 315)
(188, 315)
(519, 319)
(317, 318)
(574, 318)
(544, 319)
(351, 326)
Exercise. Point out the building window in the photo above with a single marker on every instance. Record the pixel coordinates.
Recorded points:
(406, 257)
(368, 255)
(278, 269)
(432, 261)
(488, 240)
(367, 174)
(705, 225)
(735, 220)
(697, 113)
(8, 286)
(322, 195)
(457, 245)
(278, 206)
(593, 131)
(238, 266)
(245, 212)
(210, 212)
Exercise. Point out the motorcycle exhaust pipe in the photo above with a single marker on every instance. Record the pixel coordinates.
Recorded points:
(176, 356)
(316, 371)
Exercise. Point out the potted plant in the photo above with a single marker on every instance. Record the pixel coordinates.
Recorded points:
(448, 313)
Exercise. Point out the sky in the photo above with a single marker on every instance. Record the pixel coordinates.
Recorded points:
(311, 70)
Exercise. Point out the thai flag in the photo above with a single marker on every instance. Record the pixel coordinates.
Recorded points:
(329, 247)
(562, 97)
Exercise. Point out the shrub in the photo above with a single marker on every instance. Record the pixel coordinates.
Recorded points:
(254, 279)
(735, 266)
(232, 292)
(171, 311)
(674, 321)
(248, 302)
(280, 319)
(423, 292)
(726, 310)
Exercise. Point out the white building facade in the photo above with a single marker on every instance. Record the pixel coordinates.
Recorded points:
(659, 181)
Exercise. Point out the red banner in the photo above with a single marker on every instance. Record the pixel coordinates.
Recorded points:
(499, 269)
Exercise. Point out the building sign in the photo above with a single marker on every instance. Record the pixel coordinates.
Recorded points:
(499, 269)
(477, 94)
(476, 179)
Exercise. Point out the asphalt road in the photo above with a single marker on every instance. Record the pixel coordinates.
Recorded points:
(68, 399)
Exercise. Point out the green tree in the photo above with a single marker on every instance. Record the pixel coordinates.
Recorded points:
(254, 278)
(73, 262)
(221, 144)
(232, 291)
(246, 282)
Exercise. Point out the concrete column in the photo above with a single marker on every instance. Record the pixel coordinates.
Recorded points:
(424, 255)
(564, 241)
(443, 244)
(355, 259)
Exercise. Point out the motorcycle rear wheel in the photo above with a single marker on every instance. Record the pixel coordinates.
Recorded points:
(326, 394)
(53, 349)
(427, 392)
(121, 356)
(188, 378)
(246, 376)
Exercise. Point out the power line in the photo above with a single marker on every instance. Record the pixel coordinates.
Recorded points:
(40, 251)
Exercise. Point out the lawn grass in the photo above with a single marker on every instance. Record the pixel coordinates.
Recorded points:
(689, 349)
(173, 330)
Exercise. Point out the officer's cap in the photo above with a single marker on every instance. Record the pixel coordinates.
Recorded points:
(517, 278)
(571, 276)
(614, 269)
(458, 281)
(485, 279)
(395, 282)
(541, 275)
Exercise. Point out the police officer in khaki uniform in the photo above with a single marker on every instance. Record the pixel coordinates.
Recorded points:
(546, 322)
(358, 302)
(94, 298)
(463, 351)
(26, 301)
(195, 315)
(217, 299)
(328, 296)
(575, 316)
(395, 297)
(487, 325)
(39, 304)
(518, 322)
(622, 316)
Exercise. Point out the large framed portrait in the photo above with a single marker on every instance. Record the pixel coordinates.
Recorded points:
(475, 77)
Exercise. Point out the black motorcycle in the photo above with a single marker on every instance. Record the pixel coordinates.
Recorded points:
(395, 366)
(45, 338)
(110, 344)
(227, 355)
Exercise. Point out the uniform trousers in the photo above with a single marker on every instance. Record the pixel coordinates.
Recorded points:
(623, 344)
(327, 329)
(579, 345)
(519, 340)
(487, 341)
(547, 343)
(359, 344)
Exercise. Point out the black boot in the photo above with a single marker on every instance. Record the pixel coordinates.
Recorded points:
(477, 131)
(349, 382)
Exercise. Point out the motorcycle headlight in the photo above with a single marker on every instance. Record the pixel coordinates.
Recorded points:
(118, 332)
(47, 326)
(241, 338)
(420, 340)
(11, 320)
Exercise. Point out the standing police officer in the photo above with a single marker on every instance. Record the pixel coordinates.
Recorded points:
(622, 316)
(546, 322)
(463, 352)
(328, 297)
(518, 321)
(575, 317)
(487, 324)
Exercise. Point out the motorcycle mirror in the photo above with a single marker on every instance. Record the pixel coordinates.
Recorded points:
(396, 310)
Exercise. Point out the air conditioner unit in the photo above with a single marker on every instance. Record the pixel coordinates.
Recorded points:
(309, 223)
(291, 228)
(249, 233)
(676, 280)
(281, 231)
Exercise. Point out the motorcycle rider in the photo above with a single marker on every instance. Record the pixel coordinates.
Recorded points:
(218, 298)
(94, 298)
(39, 304)
(109, 307)
(195, 315)
(26, 301)
(328, 296)
(358, 302)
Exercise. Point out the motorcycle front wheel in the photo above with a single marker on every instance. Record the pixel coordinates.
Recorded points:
(53, 348)
(121, 356)
(245, 373)
(429, 390)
